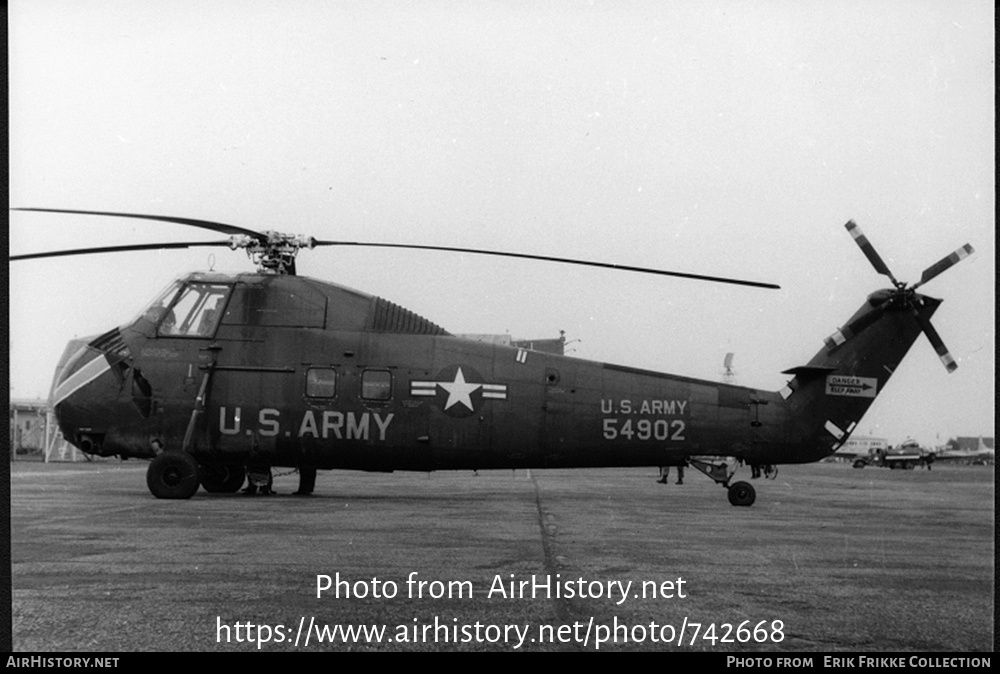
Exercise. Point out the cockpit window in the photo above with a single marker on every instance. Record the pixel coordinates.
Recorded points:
(196, 311)
(157, 309)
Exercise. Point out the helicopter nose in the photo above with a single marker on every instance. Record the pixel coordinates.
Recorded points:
(78, 366)
(80, 390)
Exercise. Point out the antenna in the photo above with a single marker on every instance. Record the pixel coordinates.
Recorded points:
(728, 373)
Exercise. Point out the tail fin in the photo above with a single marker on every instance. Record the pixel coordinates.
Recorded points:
(828, 397)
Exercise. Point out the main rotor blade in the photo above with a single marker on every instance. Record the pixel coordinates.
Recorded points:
(869, 250)
(204, 224)
(117, 249)
(936, 341)
(944, 263)
(545, 258)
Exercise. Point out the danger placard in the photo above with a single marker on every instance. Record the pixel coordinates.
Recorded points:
(861, 387)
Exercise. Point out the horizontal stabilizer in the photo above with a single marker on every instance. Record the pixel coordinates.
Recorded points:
(804, 372)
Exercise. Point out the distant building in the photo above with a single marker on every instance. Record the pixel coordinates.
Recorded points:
(27, 425)
(501, 340)
(860, 446)
(33, 430)
(556, 346)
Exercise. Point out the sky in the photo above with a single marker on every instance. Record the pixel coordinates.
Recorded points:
(721, 138)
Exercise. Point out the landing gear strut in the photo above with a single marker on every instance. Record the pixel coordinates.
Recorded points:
(722, 471)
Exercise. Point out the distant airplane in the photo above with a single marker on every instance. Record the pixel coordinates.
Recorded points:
(967, 450)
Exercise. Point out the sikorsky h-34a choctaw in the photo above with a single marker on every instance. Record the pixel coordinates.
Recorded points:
(224, 375)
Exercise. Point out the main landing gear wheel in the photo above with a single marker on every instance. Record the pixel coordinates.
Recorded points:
(222, 479)
(173, 475)
(742, 494)
(721, 470)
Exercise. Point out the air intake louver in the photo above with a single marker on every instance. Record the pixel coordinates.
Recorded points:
(389, 317)
(112, 344)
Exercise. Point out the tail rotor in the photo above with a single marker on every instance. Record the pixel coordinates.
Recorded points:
(900, 297)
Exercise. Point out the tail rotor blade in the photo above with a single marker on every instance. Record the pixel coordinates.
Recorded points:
(854, 327)
(869, 250)
(936, 342)
(944, 263)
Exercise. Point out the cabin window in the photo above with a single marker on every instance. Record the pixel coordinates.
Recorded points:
(321, 382)
(196, 311)
(376, 384)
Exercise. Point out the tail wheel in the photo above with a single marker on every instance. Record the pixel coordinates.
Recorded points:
(222, 479)
(742, 494)
(173, 475)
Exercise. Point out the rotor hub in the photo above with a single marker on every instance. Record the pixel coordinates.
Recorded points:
(273, 252)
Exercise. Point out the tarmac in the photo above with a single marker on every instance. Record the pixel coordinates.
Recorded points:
(829, 559)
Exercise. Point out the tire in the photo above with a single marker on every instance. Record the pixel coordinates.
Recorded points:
(222, 479)
(742, 494)
(173, 475)
(859, 464)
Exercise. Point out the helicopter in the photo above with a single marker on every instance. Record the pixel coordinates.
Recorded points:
(225, 376)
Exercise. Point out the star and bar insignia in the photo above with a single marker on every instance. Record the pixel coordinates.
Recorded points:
(459, 390)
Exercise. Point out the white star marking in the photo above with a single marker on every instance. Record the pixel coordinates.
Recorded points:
(459, 391)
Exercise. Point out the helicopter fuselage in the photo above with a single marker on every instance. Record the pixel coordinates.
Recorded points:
(285, 371)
